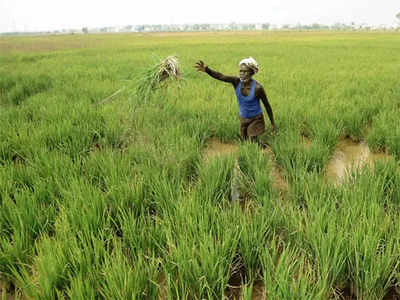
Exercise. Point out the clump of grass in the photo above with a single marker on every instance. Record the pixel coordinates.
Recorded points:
(16, 89)
(289, 274)
(157, 76)
(200, 249)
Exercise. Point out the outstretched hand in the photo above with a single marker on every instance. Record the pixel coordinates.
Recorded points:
(200, 66)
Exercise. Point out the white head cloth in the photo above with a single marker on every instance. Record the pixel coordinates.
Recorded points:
(251, 63)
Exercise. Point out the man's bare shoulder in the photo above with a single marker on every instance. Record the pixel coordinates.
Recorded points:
(259, 86)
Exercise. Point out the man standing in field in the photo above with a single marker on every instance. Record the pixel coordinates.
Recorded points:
(249, 93)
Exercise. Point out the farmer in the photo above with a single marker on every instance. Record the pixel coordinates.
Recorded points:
(249, 93)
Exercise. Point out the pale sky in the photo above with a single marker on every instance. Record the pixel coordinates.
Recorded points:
(41, 15)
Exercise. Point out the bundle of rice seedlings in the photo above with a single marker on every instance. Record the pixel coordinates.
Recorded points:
(169, 68)
(156, 76)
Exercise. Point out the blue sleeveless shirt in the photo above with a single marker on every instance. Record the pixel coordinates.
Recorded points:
(249, 106)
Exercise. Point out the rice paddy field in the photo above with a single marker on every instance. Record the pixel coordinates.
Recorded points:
(157, 197)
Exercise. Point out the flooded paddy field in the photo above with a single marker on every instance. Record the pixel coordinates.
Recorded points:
(158, 198)
(350, 156)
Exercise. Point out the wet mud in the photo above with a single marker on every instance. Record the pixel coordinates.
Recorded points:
(348, 156)
(237, 292)
(278, 180)
(163, 290)
(6, 291)
(393, 293)
(305, 141)
(348, 293)
(216, 148)
(259, 292)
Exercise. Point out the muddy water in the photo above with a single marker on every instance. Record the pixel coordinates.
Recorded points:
(216, 148)
(305, 141)
(350, 155)
(3, 291)
(163, 292)
(257, 293)
(279, 181)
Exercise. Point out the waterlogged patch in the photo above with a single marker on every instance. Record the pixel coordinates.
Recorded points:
(4, 294)
(305, 141)
(348, 156)
(258, 292)
(255, 292)
(163, 290)
(278, 180)
(216, 148)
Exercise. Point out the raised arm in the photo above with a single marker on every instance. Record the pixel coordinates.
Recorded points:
(201, 67)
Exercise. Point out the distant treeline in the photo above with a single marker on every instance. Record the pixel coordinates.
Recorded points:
(213, 27)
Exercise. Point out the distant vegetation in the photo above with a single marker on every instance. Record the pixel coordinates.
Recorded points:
(352, 26)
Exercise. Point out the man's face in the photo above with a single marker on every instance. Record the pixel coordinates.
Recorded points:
(245, 73)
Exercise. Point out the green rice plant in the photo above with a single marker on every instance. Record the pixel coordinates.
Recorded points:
(138, 281)
(295, 156)
(76, 137)
(325, 240)
(256, 167)
(324, 132)
(383, 137)
(156, 192)
(132, 195)
(15, 90)
(308, 190)
(6, 83)
(372, 245)
(247, 291)
(144, 186)
(81, 288)
(177, 153)
(106, 169)
(377, 138)
(24, 218)
(288, 274)
(355, 120)
(215, 181)
(16, 250)
(50, 272)
(200, 250)
(373, 261)
(386, 176)
(12, 149)
(29, 204)
(89, 251)
(85, 210)
(256, 230)
(317, 156)
(142, 235)
(62, 259)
